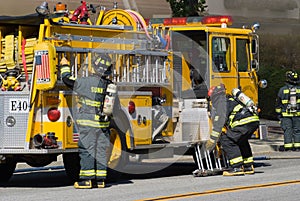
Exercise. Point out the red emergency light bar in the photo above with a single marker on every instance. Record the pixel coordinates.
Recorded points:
(215, 20)
(175, 21)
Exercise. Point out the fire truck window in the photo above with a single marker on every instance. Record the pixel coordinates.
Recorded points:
(221, 54)
(193, 45)
(242, 57)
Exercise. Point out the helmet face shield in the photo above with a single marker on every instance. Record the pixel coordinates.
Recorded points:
(101, 64)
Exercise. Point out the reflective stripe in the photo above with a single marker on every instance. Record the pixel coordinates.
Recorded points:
(248, 160)
(286, 91)
(72, 78)
(288, 114)
(233, 113)
(244, 121)
(87, 173)
(101, 173)
(236, 160)
(297, 145)
(215, 134)
(95, 124)
(289, 145)
(65, 69)
(278, 110)
(284, 101)
(90, 102)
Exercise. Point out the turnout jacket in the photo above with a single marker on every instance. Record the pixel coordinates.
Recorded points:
(230, 113)
(91, 91)
(283, 101)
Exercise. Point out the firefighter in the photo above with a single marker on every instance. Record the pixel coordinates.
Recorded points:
(239, 123)
(92, 124)
(288, 110)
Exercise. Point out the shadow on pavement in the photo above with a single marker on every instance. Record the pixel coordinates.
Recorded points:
(58, 177)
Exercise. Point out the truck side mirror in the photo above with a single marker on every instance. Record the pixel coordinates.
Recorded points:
(254, 64)
(254, 46)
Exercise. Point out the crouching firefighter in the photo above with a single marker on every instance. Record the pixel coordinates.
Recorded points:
(91, 119)
(240, 123)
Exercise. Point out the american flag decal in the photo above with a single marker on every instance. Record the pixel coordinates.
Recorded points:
(42, 67)
(75, 137)
(75, 133)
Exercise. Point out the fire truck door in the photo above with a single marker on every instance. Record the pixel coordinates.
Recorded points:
(242, 59)
(221, 65)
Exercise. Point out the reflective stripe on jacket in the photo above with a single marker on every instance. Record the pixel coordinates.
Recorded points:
(239, 115)
(283, 101)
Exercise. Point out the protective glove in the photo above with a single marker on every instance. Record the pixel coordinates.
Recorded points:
(64, 62)
(210, 144)
(64, 67)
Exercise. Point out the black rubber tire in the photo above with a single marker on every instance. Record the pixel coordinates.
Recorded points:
(39, 161)
(7, 169)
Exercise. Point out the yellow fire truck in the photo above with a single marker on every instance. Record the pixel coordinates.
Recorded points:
(163, 69)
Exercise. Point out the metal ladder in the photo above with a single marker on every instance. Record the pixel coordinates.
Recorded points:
(139, 70)
(209, 163)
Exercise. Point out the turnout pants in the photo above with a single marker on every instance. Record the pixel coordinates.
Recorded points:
(92, 145)
(236, 145)
(291, 128)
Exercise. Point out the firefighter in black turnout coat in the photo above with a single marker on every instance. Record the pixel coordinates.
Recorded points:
(288, 109)
(91, 123)
(240, 123)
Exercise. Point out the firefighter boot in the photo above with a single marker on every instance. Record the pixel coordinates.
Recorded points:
(237, 171)
(249, 169)
(101, 184)
(85, 184)
(98, 183)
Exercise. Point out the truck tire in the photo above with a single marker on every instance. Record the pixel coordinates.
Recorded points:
(72, 165)
(7, 169)
(39, 160)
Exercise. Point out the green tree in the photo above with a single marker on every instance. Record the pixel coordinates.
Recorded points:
(186, 8)
(278, 54)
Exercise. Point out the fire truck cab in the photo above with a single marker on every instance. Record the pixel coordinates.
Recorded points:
(163, 69)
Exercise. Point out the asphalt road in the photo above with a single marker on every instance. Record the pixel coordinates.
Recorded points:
(275, 179)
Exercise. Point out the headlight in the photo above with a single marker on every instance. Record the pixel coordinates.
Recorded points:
(263, 84)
